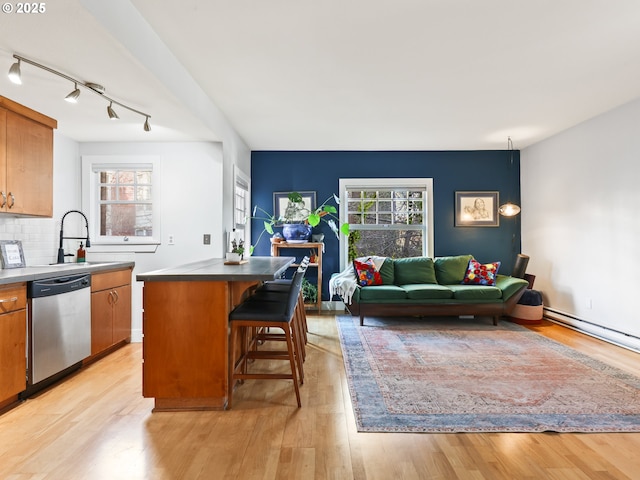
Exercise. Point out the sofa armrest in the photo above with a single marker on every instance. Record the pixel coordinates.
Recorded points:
(509, 285)
(356, 295)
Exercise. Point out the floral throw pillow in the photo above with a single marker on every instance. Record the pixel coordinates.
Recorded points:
(481, 274)
(366, 273)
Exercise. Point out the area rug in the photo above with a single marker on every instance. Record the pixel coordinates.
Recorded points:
(466, 375)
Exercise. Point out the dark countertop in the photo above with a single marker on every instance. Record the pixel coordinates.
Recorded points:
(214, 269)
(29, 274)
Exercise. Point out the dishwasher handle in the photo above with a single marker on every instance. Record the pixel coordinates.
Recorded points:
(57, 285)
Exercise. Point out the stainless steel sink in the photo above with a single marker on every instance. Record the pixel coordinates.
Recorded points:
(71, 264)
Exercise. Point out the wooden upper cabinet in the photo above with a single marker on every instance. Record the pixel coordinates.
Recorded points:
(26, 160)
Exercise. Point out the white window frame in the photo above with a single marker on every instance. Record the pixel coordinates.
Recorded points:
(91, 165)
(243, 227)
(425, 184)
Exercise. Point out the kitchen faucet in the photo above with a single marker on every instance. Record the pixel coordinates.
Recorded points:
(61, 254)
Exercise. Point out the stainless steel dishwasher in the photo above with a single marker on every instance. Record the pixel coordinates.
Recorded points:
(59, 328)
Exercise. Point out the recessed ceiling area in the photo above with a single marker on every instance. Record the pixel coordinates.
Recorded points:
(358, 75)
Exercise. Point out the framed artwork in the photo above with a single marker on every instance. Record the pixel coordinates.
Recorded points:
(477, 209)
(288, 211)
(12, 254)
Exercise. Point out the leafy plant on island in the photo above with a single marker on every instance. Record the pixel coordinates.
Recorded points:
(297, 212)
(237, 246)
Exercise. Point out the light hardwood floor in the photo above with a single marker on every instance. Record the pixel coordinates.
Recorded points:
(96, 425)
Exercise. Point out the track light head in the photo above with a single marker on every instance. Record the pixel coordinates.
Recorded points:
(73, 96)
(147, 126)
(14, 73)
(111, 112)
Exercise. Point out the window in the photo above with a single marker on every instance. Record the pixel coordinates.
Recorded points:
(124, 202)
(241, 199)
(121, 195)
(241, 205)
(387, 217)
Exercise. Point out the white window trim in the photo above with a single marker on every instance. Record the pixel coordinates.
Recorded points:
(90, 205)
(242, 179)
(382, 183)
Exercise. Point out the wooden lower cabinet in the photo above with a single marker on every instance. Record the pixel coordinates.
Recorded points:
(185, 327)
(185, 343)
(13, 346)
(110, 310)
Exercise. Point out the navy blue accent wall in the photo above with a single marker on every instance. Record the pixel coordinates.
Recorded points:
(487, 170)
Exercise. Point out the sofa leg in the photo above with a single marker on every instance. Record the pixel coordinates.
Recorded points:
(495, 320)
(361, 320)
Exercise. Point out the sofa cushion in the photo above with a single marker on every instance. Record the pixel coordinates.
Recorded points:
(475, 292)
(481, 274)
(386, 272)
(414, 270)
(425, 291)
(451, 270)
(381, 293)
(366, 273)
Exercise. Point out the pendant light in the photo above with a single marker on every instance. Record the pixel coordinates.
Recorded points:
(509, 209)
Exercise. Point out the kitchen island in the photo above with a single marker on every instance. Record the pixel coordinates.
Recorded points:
(185, 328)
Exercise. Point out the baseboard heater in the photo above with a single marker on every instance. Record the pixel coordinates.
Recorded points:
(607, 334)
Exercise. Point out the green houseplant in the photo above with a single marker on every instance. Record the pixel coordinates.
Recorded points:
(309, 292)
(297, 210)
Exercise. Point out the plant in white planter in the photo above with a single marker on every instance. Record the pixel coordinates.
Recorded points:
(237, 251)
(297, 214)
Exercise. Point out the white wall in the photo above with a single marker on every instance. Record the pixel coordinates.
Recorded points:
(580, 220)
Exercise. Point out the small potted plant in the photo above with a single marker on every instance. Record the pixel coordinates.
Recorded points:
(303, 216)
(237, 251)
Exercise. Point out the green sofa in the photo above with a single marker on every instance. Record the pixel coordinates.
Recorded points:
(421, 286)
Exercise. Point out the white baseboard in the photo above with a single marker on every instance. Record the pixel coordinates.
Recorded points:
(615, 337)
(332, 306)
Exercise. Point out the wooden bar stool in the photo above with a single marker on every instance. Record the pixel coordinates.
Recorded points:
(255, 316)
(282, 285)
(280, 295)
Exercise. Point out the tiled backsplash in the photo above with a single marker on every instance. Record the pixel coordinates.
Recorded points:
(38, 236)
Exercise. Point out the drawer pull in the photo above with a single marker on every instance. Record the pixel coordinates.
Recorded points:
(7, 300)
(4, 199)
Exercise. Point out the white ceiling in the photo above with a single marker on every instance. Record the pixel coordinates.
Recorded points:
(331, 74)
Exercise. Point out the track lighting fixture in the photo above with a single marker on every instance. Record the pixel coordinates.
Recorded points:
(73, 96)
(15, 77)
(14, 73)
(111, 112)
